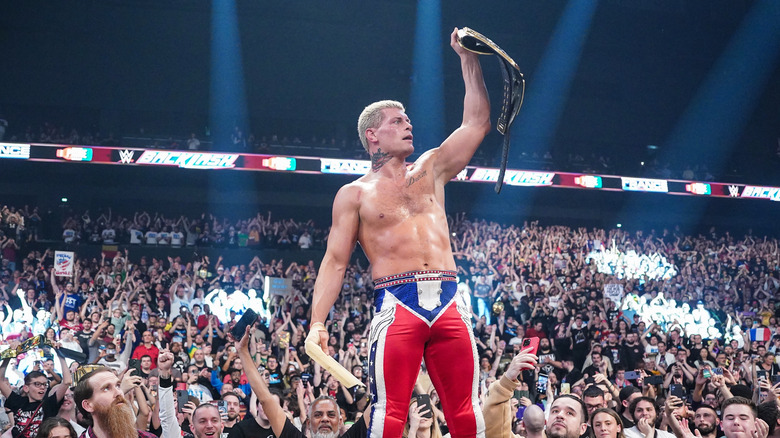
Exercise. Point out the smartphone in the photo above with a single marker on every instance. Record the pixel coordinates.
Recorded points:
(653, 380)
(425, 400)
(248, 319)
(541, 384)
(761, 374)
(632, 375)
(590, 381)
(182, 398)
(520, 393)
(677, 391)
(305, 377)
(533, 343)
(222, 407)
(718, 371)
(706, 373)
(135, 366)
(565, 388)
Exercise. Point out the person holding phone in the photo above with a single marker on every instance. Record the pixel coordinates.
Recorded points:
(421, 422)
(497, 409)
(705, 420)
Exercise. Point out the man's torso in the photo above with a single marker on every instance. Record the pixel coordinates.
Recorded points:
(402, 224)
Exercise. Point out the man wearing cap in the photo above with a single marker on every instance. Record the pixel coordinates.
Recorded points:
(99, 396)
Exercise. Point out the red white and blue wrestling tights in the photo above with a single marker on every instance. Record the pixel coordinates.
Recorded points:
(420, 315)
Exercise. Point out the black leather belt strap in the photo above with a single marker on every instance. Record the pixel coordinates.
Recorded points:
(514, 87)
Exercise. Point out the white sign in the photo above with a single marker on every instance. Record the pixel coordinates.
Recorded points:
(14, 150)
(614, 292)
(759, 192)
(644, 185)
(277, 286)
(348, 167)
(63, 263)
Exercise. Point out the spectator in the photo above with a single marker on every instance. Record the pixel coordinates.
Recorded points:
(100, 396)
(568, 418)
(193, 143)
(39, 402)
(605, 423)
(325, 415)
(147, 348)
(56, 427)
(644, 413)
(740, 419)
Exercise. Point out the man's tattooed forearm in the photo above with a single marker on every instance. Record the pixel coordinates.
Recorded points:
(414, 179)
(379, 159)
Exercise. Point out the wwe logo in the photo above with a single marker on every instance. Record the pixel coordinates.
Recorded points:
(126, 156)
(733, 191)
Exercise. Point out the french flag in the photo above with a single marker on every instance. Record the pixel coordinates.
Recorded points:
(760, 334)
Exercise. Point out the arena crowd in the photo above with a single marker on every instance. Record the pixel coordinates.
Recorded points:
(591, 297)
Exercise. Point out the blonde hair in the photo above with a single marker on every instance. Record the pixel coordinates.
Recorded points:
(371, 117)
(435, 430)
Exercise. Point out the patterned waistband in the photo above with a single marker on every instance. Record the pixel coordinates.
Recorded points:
(414, 276)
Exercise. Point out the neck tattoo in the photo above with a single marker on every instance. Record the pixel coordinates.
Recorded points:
(379, 159)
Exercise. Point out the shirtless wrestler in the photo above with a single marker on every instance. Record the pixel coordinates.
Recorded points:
(396, 213)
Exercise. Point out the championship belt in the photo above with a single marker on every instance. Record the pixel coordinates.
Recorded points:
(514, 87)
(40, 341)
(83, 371)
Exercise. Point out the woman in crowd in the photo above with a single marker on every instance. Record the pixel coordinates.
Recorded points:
(56, 427)
(421, 422)
(605, 423)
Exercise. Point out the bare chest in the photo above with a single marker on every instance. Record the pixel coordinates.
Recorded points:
(390, 202)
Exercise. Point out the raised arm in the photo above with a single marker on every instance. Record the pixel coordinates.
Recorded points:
(61, 388)
(341, 242)
(456, 151)
(5, 388)
(271, 406)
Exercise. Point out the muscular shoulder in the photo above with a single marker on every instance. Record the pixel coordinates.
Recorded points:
(427, 158)
(349, 195)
